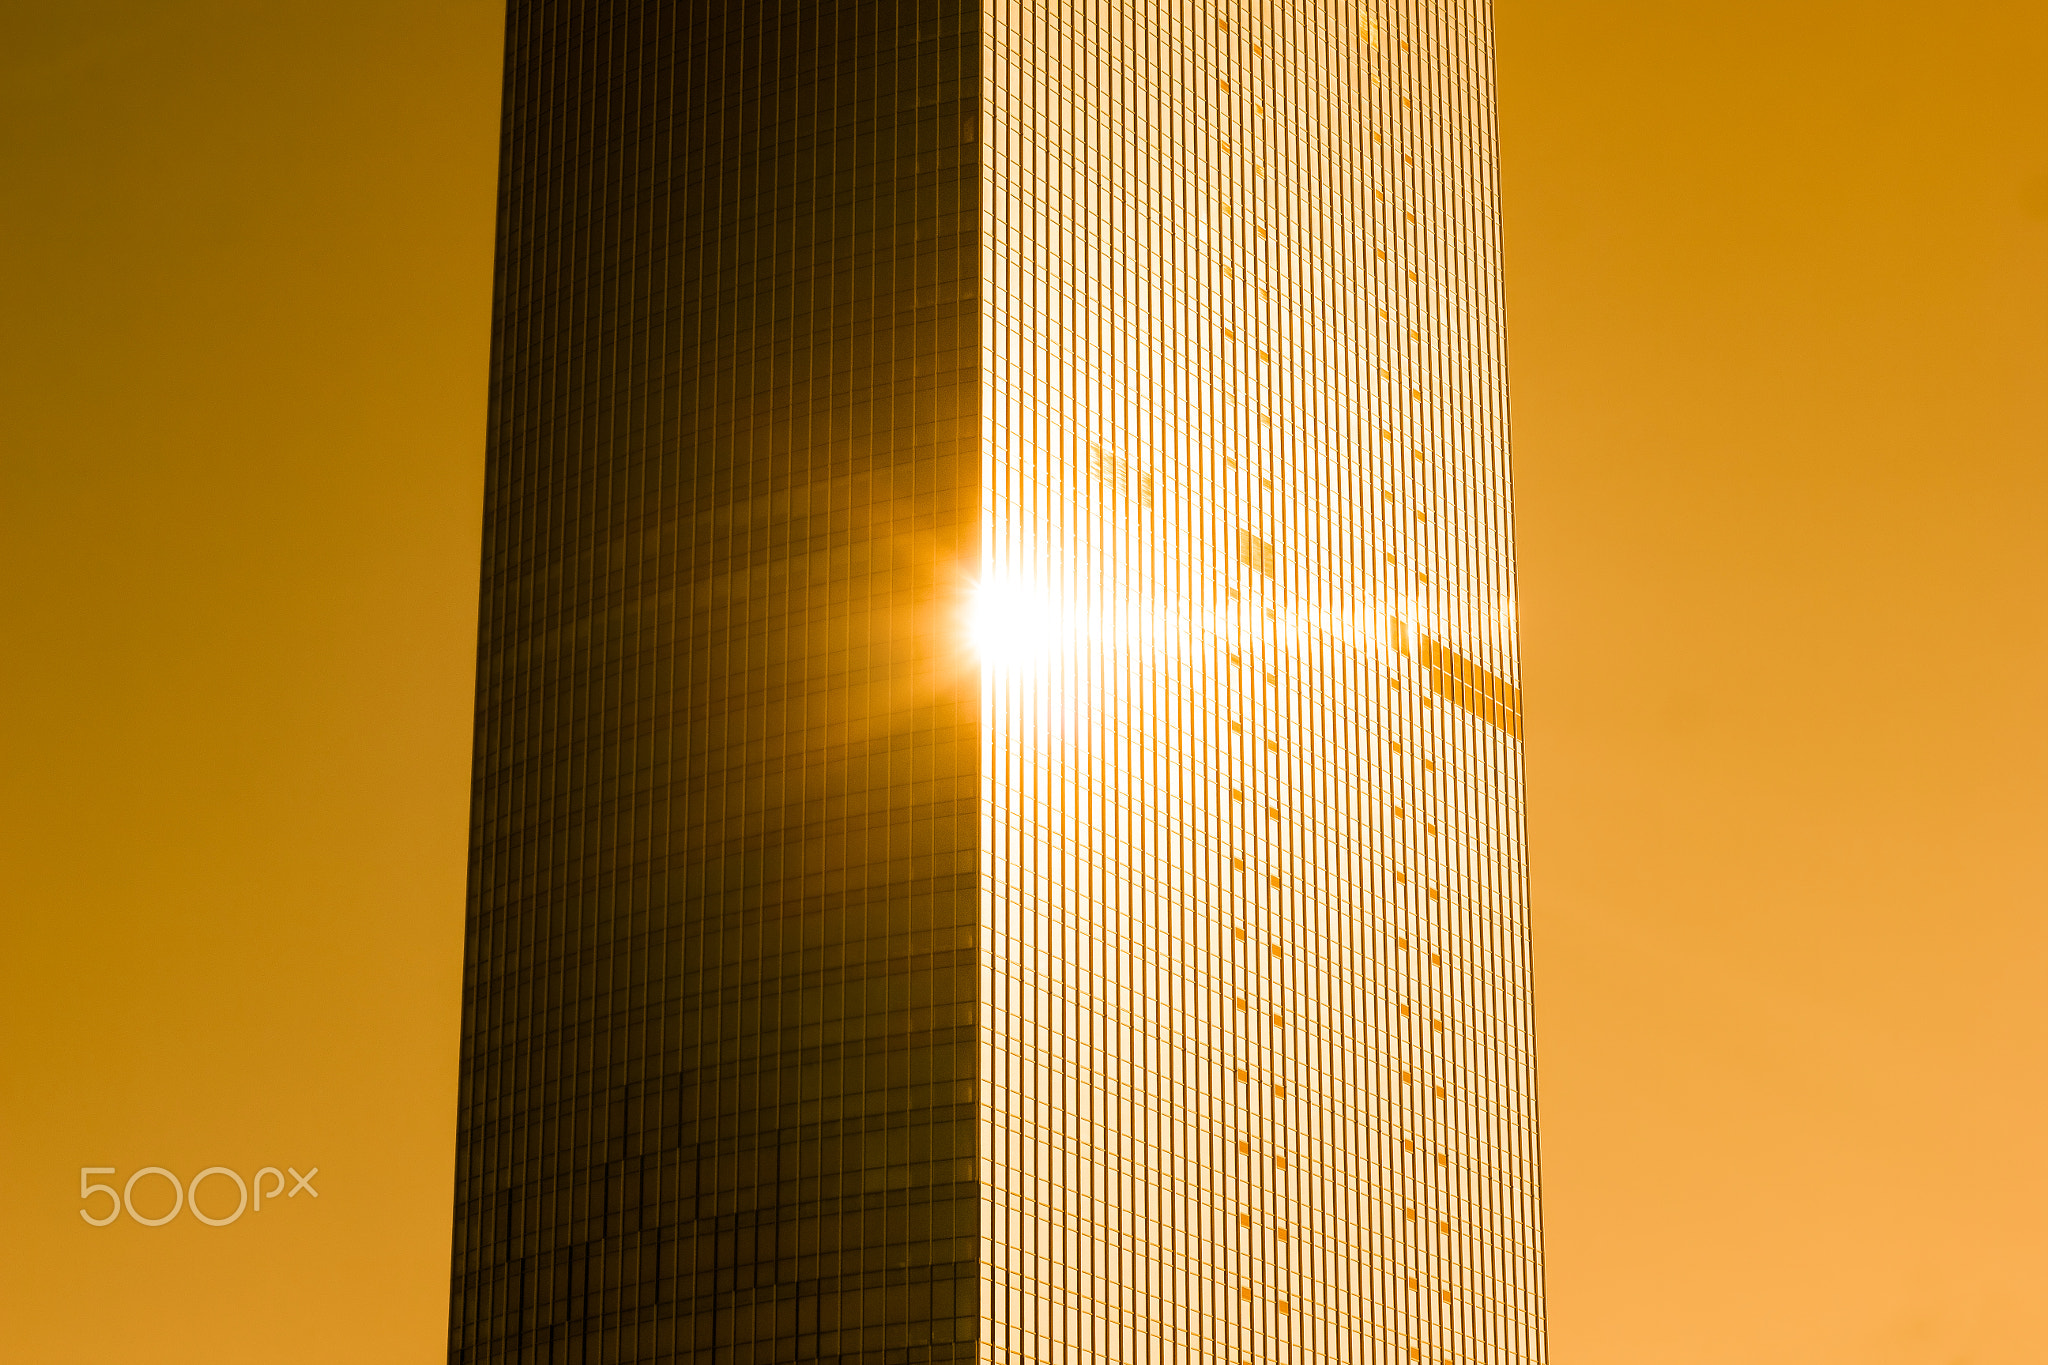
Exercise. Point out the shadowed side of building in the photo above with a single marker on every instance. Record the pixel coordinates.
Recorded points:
(718, 1013)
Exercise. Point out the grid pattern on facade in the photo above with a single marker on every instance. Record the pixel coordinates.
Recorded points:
(1165, 998)
(1257, 1069)
(717, 1062)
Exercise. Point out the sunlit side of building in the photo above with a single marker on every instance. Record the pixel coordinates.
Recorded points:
(1257, 1079)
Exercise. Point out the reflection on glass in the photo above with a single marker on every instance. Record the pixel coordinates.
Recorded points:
(1257, 1082)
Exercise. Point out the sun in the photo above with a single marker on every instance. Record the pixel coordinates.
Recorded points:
(1015, 625)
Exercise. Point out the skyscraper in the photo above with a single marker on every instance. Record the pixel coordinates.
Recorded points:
(997, 818)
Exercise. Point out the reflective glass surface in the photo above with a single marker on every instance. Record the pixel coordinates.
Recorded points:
(1256, 1053)
(717, 1070)
(997, 821)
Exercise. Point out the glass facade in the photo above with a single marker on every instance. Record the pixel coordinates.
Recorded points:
(1257, 1079)
(717, 1073)
(997, 810)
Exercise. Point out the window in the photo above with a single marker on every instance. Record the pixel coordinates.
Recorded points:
(1256, 553)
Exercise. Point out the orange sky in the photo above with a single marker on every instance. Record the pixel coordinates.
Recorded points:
(1778, 292)
(1778, 309)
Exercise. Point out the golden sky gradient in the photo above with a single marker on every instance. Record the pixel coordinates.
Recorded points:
(1778, 299)
(1778, 310)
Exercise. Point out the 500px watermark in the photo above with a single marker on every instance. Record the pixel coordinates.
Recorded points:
(186, 1195)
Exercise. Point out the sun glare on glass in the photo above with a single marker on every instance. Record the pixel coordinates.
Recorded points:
(1013, 624)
